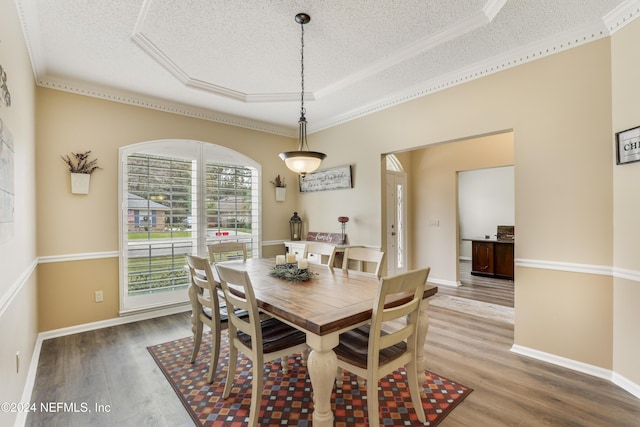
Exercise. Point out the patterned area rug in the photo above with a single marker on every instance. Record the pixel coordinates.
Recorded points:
(286, 399)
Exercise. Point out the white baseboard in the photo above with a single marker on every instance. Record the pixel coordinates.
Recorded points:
(626, 384)
(585, 368)
(443, 282)
(563, 361)
(33, 366)
(113, 322)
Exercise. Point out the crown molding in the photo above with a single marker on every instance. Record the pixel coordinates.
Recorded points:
(611, 23)
(183, 77)
(475, 71)
(138, 100)
(619, 17)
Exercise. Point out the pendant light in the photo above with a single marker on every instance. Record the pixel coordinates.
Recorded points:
(302, 161)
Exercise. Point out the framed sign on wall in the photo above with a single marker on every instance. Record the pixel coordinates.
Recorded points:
(628, 146)
(327, 179)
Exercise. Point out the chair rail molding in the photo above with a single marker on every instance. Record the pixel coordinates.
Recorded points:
(7, 298)
(602, 270)
(78, 257)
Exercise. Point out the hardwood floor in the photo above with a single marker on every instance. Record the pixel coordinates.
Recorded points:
(113, 367)
(486, 289)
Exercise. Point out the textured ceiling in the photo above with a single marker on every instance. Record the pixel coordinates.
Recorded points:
(238, 62)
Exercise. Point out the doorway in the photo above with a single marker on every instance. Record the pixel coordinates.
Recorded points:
(432, 199)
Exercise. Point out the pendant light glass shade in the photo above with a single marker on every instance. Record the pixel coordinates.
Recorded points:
(301, 161)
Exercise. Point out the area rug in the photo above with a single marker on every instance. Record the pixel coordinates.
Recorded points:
(286, 399)
(475, 308)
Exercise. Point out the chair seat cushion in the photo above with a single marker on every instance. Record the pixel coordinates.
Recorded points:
(224, 314)
(276, 335)
(354, 348)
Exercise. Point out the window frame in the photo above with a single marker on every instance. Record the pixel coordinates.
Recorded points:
(199, 153)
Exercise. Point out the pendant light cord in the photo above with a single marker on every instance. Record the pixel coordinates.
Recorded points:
(302, 123)
(302, 161)
(302, 110)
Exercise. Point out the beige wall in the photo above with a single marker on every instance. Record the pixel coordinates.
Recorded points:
(18, 315)
(559, 109)
(434, 195)
(76, 225)
(567, 314)
(66, 292)
(73, 224)
(626, 205)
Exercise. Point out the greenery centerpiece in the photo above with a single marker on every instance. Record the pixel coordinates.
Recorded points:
(292, 273)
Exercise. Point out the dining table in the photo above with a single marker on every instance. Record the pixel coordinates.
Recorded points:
(330, 303)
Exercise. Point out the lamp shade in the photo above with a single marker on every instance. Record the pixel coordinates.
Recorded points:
(302, 162)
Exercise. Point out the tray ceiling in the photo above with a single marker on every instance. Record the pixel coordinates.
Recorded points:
(239, 62)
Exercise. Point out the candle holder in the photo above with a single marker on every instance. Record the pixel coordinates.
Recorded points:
(295, 226)
(343, 220)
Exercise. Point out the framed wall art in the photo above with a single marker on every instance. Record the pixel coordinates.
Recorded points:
(628, 146)
(327, 179)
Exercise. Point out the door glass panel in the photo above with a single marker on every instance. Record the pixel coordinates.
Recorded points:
(400, 228)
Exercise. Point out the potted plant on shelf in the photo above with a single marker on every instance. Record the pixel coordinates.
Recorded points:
(281, 188)
(81, 169)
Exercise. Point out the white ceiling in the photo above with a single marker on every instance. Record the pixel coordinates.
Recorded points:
(238, 62)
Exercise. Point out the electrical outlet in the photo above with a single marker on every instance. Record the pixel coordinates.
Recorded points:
(99, 296)
(17, 362)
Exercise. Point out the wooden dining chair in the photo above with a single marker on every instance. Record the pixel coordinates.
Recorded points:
(208, 307)
(260, 341)
(372, 353)
(205, 309)
(226, 251)
(365, 260)
(317, 251)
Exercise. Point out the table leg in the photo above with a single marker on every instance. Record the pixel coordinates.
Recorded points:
(423, 327)
(322, 365)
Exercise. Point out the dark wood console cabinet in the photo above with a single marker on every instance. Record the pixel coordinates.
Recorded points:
(492, 258)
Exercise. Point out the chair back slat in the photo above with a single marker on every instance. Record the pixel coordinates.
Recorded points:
(205, 308)
(225, 251)
(231, 278)
(410, 283)
(361, 257)
(322, 250)
(202, 277)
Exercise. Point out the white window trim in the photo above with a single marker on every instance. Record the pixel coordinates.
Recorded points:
(177, 148)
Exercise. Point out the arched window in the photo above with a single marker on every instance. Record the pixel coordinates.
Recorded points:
(393, 164)
(176, 196)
